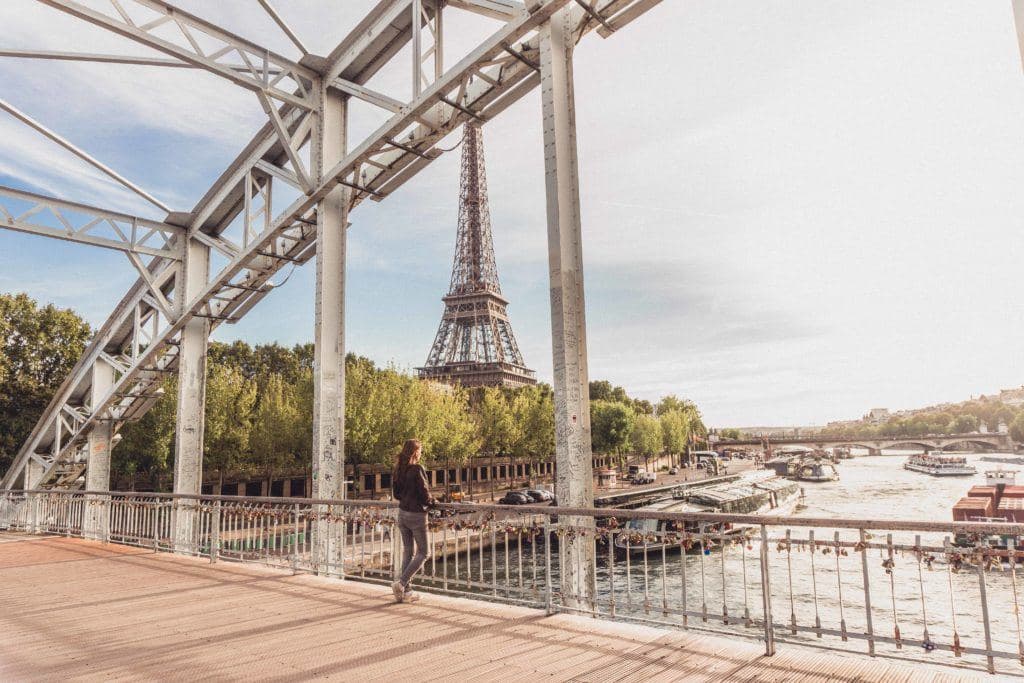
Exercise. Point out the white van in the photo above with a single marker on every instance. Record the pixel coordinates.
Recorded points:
(643, 477)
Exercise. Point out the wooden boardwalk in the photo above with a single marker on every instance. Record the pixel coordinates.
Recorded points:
(79, 610)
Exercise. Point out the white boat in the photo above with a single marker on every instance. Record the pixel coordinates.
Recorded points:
(816, 469)
(755, 494)
(940, 465)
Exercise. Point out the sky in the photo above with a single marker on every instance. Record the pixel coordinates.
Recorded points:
(793, 210)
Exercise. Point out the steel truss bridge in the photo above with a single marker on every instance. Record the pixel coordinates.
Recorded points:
(285, 199)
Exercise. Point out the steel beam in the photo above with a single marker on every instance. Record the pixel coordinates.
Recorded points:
(282, 86)
(188, 435)
(81, 154)
(575, 482)
(329, 141)
(97, 474)
(495, 9)
(63, 56)
(85, 224)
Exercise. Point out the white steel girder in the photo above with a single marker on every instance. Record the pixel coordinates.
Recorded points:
(145, 331)
(74, 222)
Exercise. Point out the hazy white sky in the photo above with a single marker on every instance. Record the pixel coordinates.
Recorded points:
(794, 210)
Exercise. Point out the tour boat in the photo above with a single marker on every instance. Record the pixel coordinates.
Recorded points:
(756, 493)
(815, 469)
(940, 465)
(842, 453)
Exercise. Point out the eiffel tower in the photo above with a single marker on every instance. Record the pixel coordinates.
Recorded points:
(474, 345)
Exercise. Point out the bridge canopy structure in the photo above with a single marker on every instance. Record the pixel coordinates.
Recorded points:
(285, 199)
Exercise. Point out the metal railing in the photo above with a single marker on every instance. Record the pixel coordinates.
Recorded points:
(937, 592)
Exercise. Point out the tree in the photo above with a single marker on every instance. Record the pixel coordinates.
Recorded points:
(230, 400)
(675, 431)
(610, 425)
(38, 348)
(1017, 428)
(646, 437)
(147, 446)
(534, 411)
(274, 434)
(498, 430)
(963, 424)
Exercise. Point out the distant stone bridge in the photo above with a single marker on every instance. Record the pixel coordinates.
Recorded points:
(1001, 442)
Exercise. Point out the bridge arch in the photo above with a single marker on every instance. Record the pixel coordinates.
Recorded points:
(894, 444)
(987, 444)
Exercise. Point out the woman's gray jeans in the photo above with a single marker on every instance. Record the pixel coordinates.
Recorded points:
(413, 527)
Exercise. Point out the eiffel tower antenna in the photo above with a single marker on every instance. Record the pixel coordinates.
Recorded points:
(474, 345)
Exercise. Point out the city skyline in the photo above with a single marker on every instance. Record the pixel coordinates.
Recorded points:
(803, 249)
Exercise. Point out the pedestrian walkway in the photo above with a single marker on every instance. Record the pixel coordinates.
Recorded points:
(81, 610)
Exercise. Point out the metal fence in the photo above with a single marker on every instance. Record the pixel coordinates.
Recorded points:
(942, 593)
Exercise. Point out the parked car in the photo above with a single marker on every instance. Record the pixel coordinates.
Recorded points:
(673, 470)
(539, 495)
(516, 498)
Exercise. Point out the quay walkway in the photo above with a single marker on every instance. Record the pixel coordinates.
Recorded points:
(82, 610)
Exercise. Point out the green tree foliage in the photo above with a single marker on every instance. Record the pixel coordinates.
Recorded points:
(38, 347)
(275, 436)
(646, 438)
(230, 403)
(611, 423)
(675, 431)
(147, 446)
(1017, 428)
(499, 430)
(259, 408)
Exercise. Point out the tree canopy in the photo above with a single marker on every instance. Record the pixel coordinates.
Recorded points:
(38, 347)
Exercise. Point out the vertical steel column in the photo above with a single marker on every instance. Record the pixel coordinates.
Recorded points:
(97, 475)
(329, 142)
(33, 472)
(188, 435)
(575, 483)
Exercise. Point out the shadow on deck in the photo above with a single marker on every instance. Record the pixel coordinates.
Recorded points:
(85, 610)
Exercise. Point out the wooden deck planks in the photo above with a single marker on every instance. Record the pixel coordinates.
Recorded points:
(80, 610)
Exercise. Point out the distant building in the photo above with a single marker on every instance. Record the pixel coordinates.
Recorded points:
(1012, 397)
(1003, 428)
(877, 416)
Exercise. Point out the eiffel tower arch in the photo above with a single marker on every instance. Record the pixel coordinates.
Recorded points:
(474, 345)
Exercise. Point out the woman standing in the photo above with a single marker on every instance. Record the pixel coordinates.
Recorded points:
(409, 486)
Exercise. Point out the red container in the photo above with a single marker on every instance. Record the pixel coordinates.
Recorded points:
(969, 509)
(1013, 492)
(982, 492)
(1012, 509)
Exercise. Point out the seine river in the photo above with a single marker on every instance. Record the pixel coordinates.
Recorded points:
(875, 488)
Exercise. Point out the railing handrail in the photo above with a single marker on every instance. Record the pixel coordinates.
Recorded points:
(1006, 528)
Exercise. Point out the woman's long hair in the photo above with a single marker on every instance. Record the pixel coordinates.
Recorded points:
(402, 462)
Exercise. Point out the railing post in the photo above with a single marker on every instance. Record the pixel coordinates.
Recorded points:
(867, 591)
(984, 614)
(215, 533)
(548, 598)
(155, 524)
(295, 539)
(766, 595)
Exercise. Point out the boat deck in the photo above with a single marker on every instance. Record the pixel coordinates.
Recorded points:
(81, 610)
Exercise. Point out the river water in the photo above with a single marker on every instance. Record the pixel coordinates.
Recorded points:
(807, 588)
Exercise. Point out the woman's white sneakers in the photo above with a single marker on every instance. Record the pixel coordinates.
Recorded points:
(410, 597)
(398, 590)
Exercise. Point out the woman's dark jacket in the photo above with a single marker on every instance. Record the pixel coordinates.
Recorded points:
(411, 490)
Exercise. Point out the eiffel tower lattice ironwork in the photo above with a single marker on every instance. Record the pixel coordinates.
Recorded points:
(474, 345)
